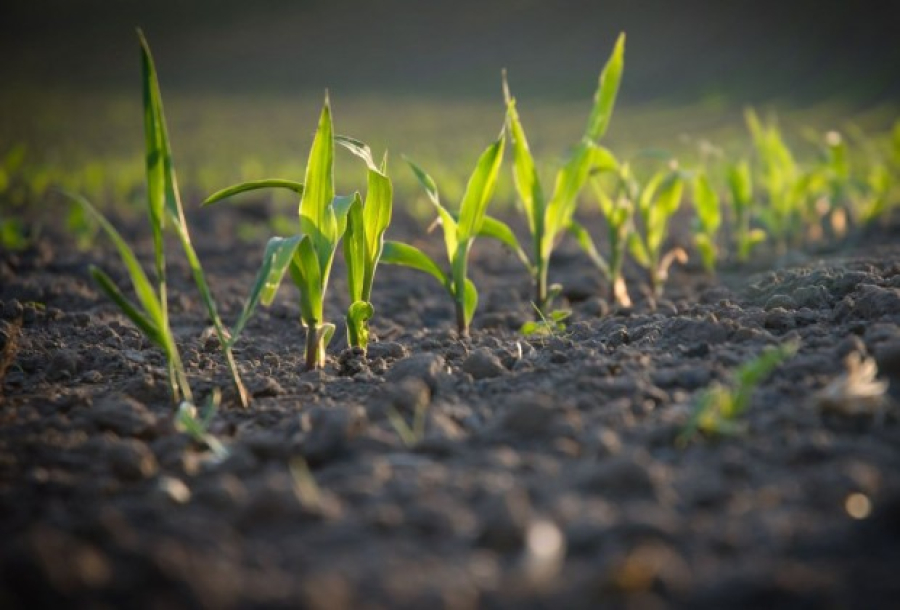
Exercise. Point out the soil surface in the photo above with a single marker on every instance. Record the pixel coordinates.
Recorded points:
(549, 473)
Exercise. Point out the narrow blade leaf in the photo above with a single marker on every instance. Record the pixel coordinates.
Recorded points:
(607, 90)
(253, 185)
(499, 230)
(277, 258)
(397, 253)
(146, 295)
(528, 184)
(586, 242)
(115, 295)
(480, 189)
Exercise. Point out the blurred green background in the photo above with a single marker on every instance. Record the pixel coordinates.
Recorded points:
(243, 81)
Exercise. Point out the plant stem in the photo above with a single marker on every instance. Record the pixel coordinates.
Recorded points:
(461, 326)
(540, 288)
(312, 346)
(243, 395)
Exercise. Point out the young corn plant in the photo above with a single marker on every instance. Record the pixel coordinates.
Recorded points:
(548, 218)
(460, 232)
(364, 241)
(720, 407)
(164, 206)
(308, 255)
(783, 182)
(657, 201)
(740, 191)
(707, 221)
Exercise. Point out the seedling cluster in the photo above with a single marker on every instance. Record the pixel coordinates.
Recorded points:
(764, 196)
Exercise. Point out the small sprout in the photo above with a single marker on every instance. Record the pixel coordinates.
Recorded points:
(459, 233)
(856, 391)
(411, 435)
(364, 241)
(187, 421)
(719, 407)
(550, 324)
(547, 219)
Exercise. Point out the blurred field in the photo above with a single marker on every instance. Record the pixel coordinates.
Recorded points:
(91, 143)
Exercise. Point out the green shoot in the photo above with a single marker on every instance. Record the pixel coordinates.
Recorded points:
(719, 408)
(163, 184)
(547, 219)
(784, 183)
(410, 435)
(364, 241)
(187, 421)
(151, 315)
(309, 255)
(657, 201)
(740, 188)
(459, 233)
(551, 324)
(707, 221)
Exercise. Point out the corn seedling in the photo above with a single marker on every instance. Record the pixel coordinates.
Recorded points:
(720, 407)
(785, 185)
(364, 241)
(707, 221)
(164, 204)
(656, 202)
(308, 256)
(740, 190)
(459, 233)
(548, 218)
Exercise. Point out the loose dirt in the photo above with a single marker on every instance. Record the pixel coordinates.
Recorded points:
(548, 473)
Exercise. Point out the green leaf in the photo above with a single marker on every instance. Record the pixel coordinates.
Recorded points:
(358, 314)
(376, 219)
(253, 185)
(448, 222)
(154, 154)
(499, 230)
(396, 253)
(525, 176)
(317, 218)
(480, 189)
(603, 160)
(426, 181)
(306, 273)
(358, 148)
(638, 250)
(707, 250)
(706, 202)
(338, 210)
(584, 240)
(740, 184)
(115, 295)
(277, 258)
(355, 250)
(146, 295)
(607, 90)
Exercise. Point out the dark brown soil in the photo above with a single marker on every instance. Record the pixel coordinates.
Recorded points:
(548, 476)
